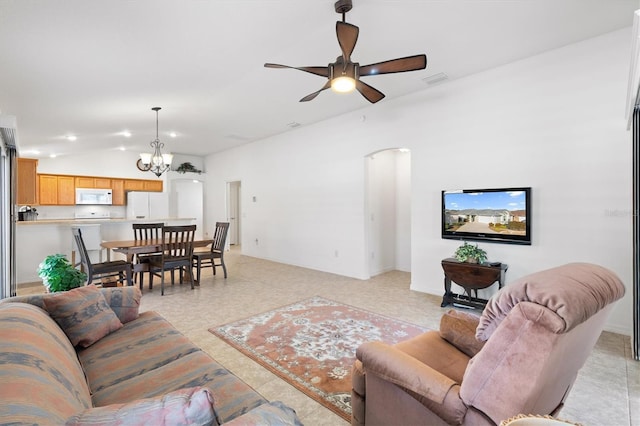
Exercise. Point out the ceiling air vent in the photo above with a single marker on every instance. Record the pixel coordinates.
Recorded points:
(434, 79)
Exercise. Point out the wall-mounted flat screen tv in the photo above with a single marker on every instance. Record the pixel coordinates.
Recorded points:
(500, 215)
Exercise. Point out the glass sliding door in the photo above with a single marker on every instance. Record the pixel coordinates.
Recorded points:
(635, 343)
(7, 214)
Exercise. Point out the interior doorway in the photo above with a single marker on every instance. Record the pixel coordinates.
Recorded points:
(233, 212)
(388, 210)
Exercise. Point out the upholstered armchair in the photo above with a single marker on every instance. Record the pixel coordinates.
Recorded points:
(521, 356)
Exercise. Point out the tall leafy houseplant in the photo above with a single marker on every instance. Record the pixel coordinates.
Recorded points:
(58, 274)
(470, 253)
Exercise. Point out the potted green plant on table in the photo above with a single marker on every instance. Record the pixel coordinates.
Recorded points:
(470, 253)
(58, 274)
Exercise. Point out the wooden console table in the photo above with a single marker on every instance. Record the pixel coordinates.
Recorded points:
(471, 276)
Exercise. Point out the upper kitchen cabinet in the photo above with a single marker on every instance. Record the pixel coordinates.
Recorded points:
(143, 185)
(117, 196)
(93, 182)
(56, 190)
(153, 185)
(133, 185)
(27, 181)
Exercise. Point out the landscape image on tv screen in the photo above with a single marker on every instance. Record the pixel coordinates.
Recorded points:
(500, 215)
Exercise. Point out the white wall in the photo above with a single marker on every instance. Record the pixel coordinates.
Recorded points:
(554, 122)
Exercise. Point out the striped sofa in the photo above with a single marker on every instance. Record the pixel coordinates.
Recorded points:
(143, 371)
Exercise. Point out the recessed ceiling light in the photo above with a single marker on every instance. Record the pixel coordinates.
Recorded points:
(122, 148)
(52, 156)
(173, 134)
(126, 134)
(72, 138)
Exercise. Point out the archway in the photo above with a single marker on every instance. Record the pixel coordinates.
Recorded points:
(388, 210)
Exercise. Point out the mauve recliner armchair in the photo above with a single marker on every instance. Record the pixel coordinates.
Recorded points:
(521, 356)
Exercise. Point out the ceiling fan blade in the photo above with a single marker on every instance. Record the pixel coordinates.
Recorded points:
(409, 63)
(371, 94)
(347, 38)
(321, 71)
(313, 95)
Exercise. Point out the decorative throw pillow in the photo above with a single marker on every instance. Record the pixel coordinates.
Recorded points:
(190, 406)
(124, 301)
(459, 329)
(83, 314)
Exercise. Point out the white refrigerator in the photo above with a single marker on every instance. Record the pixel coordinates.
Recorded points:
(147, 205)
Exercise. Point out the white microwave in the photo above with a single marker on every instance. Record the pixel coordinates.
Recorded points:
(93, 196)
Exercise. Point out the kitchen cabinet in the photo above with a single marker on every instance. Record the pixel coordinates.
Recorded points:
(56, 190)
(27, 181)
(143, 185)
(117, 192)
(133, 185)
(93, 182)
(59, 190)
(153, 185)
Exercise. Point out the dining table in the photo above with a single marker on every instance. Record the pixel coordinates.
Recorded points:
(130, 248)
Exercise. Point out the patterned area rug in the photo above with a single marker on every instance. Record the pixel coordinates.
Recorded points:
(312, 345)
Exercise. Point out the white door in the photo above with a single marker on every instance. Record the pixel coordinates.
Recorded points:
(233, 213)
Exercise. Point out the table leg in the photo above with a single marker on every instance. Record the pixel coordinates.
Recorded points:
(446, 299)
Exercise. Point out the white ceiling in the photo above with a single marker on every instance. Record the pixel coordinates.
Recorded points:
(95, 68)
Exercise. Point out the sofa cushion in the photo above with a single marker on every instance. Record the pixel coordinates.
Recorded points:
(83, 314)
(191, 406)
(140, 346)
(574, 292)
(41, 379)
(232, 396)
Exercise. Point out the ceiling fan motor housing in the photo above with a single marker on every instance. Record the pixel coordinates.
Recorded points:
(338, 69)
(343, 6)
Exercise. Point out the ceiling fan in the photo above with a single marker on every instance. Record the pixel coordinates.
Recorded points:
(344, 75)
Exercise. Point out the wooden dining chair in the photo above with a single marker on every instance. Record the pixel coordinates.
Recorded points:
(177, 251)
(207, 259)
(143, 232)
(103, 270)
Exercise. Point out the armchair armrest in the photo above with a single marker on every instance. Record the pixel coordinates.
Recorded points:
(405, 371)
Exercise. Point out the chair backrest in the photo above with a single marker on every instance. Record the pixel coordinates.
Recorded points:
(84, 254)
(220, 236)
(177, 241)
(539, 331)
(147, 231)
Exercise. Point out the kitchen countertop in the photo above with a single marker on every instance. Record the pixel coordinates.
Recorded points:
(114, 221)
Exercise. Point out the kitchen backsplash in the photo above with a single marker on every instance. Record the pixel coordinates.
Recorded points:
(70, 212)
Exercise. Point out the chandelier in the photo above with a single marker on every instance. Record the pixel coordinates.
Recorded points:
(157, 163)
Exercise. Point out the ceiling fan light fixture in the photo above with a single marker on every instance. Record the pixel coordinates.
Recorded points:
(343, 84)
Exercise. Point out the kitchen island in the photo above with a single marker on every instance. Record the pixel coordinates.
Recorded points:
(40, 238)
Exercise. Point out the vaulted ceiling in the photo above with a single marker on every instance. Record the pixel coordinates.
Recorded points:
(94, 69)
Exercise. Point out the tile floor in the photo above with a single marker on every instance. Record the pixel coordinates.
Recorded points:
(607, 391)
